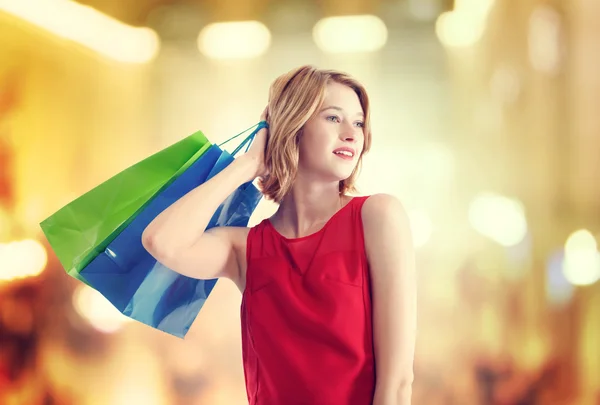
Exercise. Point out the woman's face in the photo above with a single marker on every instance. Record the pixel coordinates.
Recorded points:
(332, 139)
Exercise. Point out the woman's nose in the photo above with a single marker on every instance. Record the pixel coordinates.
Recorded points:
(348, 133)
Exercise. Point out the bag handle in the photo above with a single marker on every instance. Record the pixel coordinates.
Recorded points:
(248, 140)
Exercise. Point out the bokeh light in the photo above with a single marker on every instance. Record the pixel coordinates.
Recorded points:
(559, 290)
(21, 259)
(97, 310)
(545, 40)
(234, 40)
(349, 34)
(421, 227)
(499, 218)
(465, 25)
(581, 265)
(88, 27)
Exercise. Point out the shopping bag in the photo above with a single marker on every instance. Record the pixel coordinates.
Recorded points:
(142, 288)
(84, 227)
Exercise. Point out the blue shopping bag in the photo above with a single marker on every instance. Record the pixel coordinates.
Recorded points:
(142, 288)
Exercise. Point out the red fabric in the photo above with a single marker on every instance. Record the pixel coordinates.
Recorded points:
(307, 330)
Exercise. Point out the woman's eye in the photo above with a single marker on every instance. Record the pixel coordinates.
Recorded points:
(360, 124)
(333, 118)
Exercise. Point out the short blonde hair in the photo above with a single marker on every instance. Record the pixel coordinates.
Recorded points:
(294, 98)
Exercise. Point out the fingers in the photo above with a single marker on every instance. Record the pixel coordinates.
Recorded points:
(263, 116)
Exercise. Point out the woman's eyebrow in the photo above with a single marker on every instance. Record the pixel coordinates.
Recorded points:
(334, 107)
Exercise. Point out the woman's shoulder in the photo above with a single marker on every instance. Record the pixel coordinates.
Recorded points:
(378, 209)
(375, 202)
(381, 204)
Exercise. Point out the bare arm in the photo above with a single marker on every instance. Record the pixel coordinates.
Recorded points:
(177, 237)
(390, 253)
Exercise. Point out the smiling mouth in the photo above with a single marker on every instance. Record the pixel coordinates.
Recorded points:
(344, 154)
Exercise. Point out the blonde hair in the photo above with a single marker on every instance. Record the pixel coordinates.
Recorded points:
(294, 98)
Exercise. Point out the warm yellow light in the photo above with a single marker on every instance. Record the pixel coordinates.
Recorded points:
(346, 34)
(458, 29)
(97, 310)
(5, 224)
(421, 227)
(476, 7)
(234, 40)
(581, 240)
(499, 218)
(27, 258)
(581, 265)
(136, 391)
(545, 39)
(88, 27)
(464, 26)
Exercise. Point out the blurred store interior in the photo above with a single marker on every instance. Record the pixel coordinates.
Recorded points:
(486, 125)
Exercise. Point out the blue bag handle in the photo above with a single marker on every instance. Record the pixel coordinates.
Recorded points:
(249, 138)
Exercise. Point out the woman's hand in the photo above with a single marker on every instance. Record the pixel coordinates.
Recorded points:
(256, 153)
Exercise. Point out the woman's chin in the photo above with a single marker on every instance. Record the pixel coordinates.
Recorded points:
(341, 175)
(331, 174)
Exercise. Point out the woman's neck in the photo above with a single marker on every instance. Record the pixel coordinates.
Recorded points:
(305, 209)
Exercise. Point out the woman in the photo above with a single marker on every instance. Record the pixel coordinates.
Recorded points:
(328, 282)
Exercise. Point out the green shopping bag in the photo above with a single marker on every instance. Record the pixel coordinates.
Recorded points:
(83, 228)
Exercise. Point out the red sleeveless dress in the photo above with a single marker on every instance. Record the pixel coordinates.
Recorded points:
(307, 330)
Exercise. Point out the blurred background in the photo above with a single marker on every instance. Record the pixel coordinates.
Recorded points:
(486, 125)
